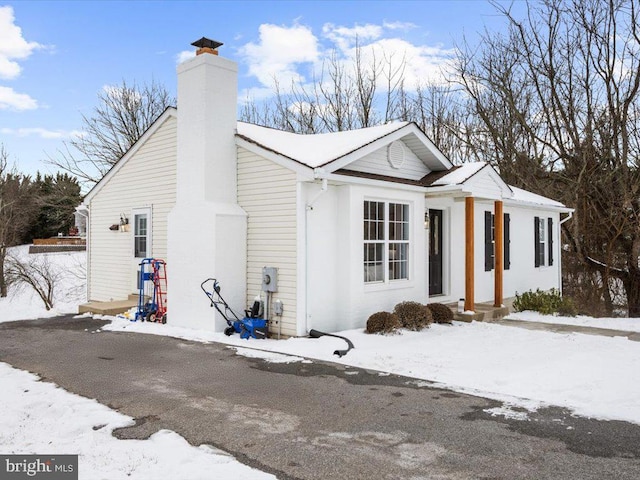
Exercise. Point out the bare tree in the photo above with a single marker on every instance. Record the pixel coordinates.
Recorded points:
(123, 114)
(17, 208)
(37, 273)
(557, 98)
(347, 94)
(366, 78)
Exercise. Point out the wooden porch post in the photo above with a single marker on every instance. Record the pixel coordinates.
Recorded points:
(499, 252)
(469, 303)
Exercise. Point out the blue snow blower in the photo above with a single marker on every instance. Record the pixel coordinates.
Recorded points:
(251, 326)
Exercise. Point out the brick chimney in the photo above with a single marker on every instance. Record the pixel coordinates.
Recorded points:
(206, 226)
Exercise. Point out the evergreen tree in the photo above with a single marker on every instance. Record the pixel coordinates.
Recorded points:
(56, 199)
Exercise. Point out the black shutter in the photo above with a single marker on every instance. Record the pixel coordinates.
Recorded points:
(550, 237)
(536, 240)
(507, 241)
(488, 242)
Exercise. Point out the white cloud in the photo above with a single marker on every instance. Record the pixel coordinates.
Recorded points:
(280, 52)
(288, 54)
(118, 93)
(422, 63)
(41, 132)
(12, 100)
(185, 55)
(345, 37)
(255, 94)
(399, 25)
(13, 46)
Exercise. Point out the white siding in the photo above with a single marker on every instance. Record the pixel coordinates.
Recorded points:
(485, 185)
(267, 192)
(521, 276)
(377, 163)
(340, 298)
(147, 179)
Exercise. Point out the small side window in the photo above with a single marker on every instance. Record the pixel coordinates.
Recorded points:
(541, 242)
(140, 235)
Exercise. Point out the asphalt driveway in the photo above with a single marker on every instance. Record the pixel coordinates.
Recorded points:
(313, 420)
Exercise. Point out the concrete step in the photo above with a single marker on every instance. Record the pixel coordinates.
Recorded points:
(483, 312)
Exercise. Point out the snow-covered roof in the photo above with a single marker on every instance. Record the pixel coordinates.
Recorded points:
(333, 151)
(460, 174)
(318, 150)
(524, 196)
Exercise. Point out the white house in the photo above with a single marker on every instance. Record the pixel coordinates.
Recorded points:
(353, 222)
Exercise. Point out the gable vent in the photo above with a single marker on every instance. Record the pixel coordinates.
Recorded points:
(395, 154)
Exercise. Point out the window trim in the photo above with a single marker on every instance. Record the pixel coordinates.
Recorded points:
(149, 234)
(489, 241)
(507, 240)
(543, 241)
(550, 241)
(386, 242)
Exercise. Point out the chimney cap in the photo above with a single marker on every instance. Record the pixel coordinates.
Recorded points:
(205, 42)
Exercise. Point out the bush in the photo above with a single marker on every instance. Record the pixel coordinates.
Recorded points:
(547, 303)
(383, 322)
(413, 315)
(440, 313)
(567, 308)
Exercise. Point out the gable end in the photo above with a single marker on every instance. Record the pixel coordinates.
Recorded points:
(153, 128)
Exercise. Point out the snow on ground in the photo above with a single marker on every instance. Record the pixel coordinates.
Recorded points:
(591, 375)
(22, 302)
(623, 324)
(40, 418)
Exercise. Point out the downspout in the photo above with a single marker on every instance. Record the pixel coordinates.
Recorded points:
(568, 217)
(318, 174)
(83, 210)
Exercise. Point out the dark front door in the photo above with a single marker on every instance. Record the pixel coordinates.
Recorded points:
(435, 252)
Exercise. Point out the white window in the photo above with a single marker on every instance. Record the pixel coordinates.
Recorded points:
(141, 235)
(374, 220)
(386, 241)
(543, 245)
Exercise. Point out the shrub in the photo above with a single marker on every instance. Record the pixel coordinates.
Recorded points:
(383, 322)
(567, 308)
(440, 313)
(547, 303)
(413, 315)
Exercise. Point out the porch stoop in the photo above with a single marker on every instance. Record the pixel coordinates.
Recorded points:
(109, 308)
(483, 312)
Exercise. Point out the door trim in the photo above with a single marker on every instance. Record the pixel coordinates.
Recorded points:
(436, 227)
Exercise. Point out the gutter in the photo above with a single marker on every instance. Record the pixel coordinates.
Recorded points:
(568, 217)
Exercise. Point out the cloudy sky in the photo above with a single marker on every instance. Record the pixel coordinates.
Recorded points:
(56, 56)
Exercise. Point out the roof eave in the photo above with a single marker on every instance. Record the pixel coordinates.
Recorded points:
(401, 131)
(276, 157)
(538, 206)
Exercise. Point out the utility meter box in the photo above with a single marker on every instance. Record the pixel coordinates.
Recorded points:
(269, 279)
